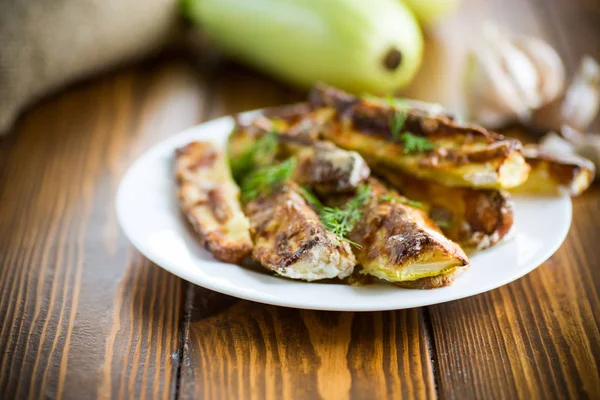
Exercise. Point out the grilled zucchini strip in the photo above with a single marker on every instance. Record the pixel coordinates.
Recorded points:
(320, 165)
(463, 155)
(400, 244)
(290, 240)
(553, 174)
(209, 198)
(475, 219)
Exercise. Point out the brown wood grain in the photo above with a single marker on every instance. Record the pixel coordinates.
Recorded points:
(82, 313)
(240, 349)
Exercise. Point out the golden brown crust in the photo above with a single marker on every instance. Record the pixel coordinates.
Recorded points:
(290, 239)
(475, 219)
(553, 173)
(364, 126)
(394, 236)
(209, 199)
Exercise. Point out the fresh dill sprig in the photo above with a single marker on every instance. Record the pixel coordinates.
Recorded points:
(311, 198)
(415, 144)
(261, 153)
(340, 221)
(396, 124)
(411, 203)
(263, 180)
(396, 102)
(412, 143)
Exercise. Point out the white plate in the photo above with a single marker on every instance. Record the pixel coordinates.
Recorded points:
(148, 213)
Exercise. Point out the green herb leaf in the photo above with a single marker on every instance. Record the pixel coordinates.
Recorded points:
(261, 153)
(396, 102)
(415, 144)
(311, 198)
(340, 221)
(396, 124)
(263, 180)
(411, 203)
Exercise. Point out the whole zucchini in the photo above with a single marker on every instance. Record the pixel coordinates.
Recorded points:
(359, 45)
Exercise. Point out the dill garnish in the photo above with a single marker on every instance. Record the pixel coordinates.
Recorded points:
(415, 144)
(263, 180)
(261, 153)
(311, 198)
(411, 203)
(340, 221)
(396, 102)
(396, 124)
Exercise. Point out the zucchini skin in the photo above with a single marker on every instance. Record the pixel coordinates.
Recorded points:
(358, 45)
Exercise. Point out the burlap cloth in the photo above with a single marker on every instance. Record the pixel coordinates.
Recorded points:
(45, 44)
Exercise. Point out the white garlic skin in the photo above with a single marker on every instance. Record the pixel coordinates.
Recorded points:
(509, 76)
(582, 98)
(578, 106)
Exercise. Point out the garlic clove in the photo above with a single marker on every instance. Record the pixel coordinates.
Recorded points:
(509, 76)
(493, 98)
(548, 64)
(519, 68)
(578, 106)
(582, 98)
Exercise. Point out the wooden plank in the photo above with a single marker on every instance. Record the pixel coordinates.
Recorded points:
(244, 350)
(83, 314)
(537, 337)
(240, 349)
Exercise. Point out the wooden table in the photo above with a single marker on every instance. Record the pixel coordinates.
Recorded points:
(85, 315)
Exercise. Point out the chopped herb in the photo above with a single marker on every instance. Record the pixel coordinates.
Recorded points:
(411, 203)
(397, 102)
(415, 144)
(396, 125)
(260, 154)
(263, 180)
(311, 198)
(340, 221)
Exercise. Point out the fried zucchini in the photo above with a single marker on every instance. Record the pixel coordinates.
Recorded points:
(553, 174)
(455, 155)
(400, 244)
(290, 240)
(209, 198)
(320, 165)
(475, 219)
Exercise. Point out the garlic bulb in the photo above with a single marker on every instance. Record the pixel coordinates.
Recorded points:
(509, 76)
(580, 103)
(587, 145)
